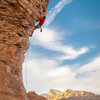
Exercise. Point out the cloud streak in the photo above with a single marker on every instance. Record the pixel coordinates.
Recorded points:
(90, 67)
(51, 40)
(45, 74)
(55, 10)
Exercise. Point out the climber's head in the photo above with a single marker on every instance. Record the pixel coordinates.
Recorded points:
(44, 17)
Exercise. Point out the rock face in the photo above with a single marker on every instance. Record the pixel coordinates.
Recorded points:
(33, 96)
(71, 95)
(16, 23)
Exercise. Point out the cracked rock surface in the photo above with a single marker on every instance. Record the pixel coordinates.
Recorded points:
(16, 23)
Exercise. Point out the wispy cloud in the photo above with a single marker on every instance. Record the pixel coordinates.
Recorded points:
(48, 73)
(52, 40)
(89, 75)
(55, 10)
(44, 74)
(90, 67)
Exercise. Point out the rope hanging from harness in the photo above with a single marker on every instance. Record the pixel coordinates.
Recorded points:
(26, 81)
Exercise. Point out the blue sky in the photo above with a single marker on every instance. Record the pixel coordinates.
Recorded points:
(67, 53)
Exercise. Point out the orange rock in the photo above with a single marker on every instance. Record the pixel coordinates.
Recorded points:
(16, 23)
(33, 96)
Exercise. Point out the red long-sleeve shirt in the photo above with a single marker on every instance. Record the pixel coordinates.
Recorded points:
(42, 20)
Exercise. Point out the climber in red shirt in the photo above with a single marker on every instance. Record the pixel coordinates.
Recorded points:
(41, 22)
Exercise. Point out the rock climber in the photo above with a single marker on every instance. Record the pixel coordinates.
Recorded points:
(41, 22)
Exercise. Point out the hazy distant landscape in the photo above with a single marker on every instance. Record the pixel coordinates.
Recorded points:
(71, 95)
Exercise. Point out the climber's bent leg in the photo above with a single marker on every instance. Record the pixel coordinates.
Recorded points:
(36, 27)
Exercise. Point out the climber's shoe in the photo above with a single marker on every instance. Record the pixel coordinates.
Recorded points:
(31, 34)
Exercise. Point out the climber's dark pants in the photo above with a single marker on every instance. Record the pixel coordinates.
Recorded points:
(37, 26)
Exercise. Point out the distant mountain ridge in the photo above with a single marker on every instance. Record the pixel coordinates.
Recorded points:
(71, 95)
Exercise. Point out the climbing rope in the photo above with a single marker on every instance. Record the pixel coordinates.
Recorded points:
(26, 73)
(26, 70)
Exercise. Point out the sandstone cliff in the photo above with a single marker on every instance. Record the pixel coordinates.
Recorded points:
(16, 23)
(33, 96)
(71, 95)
